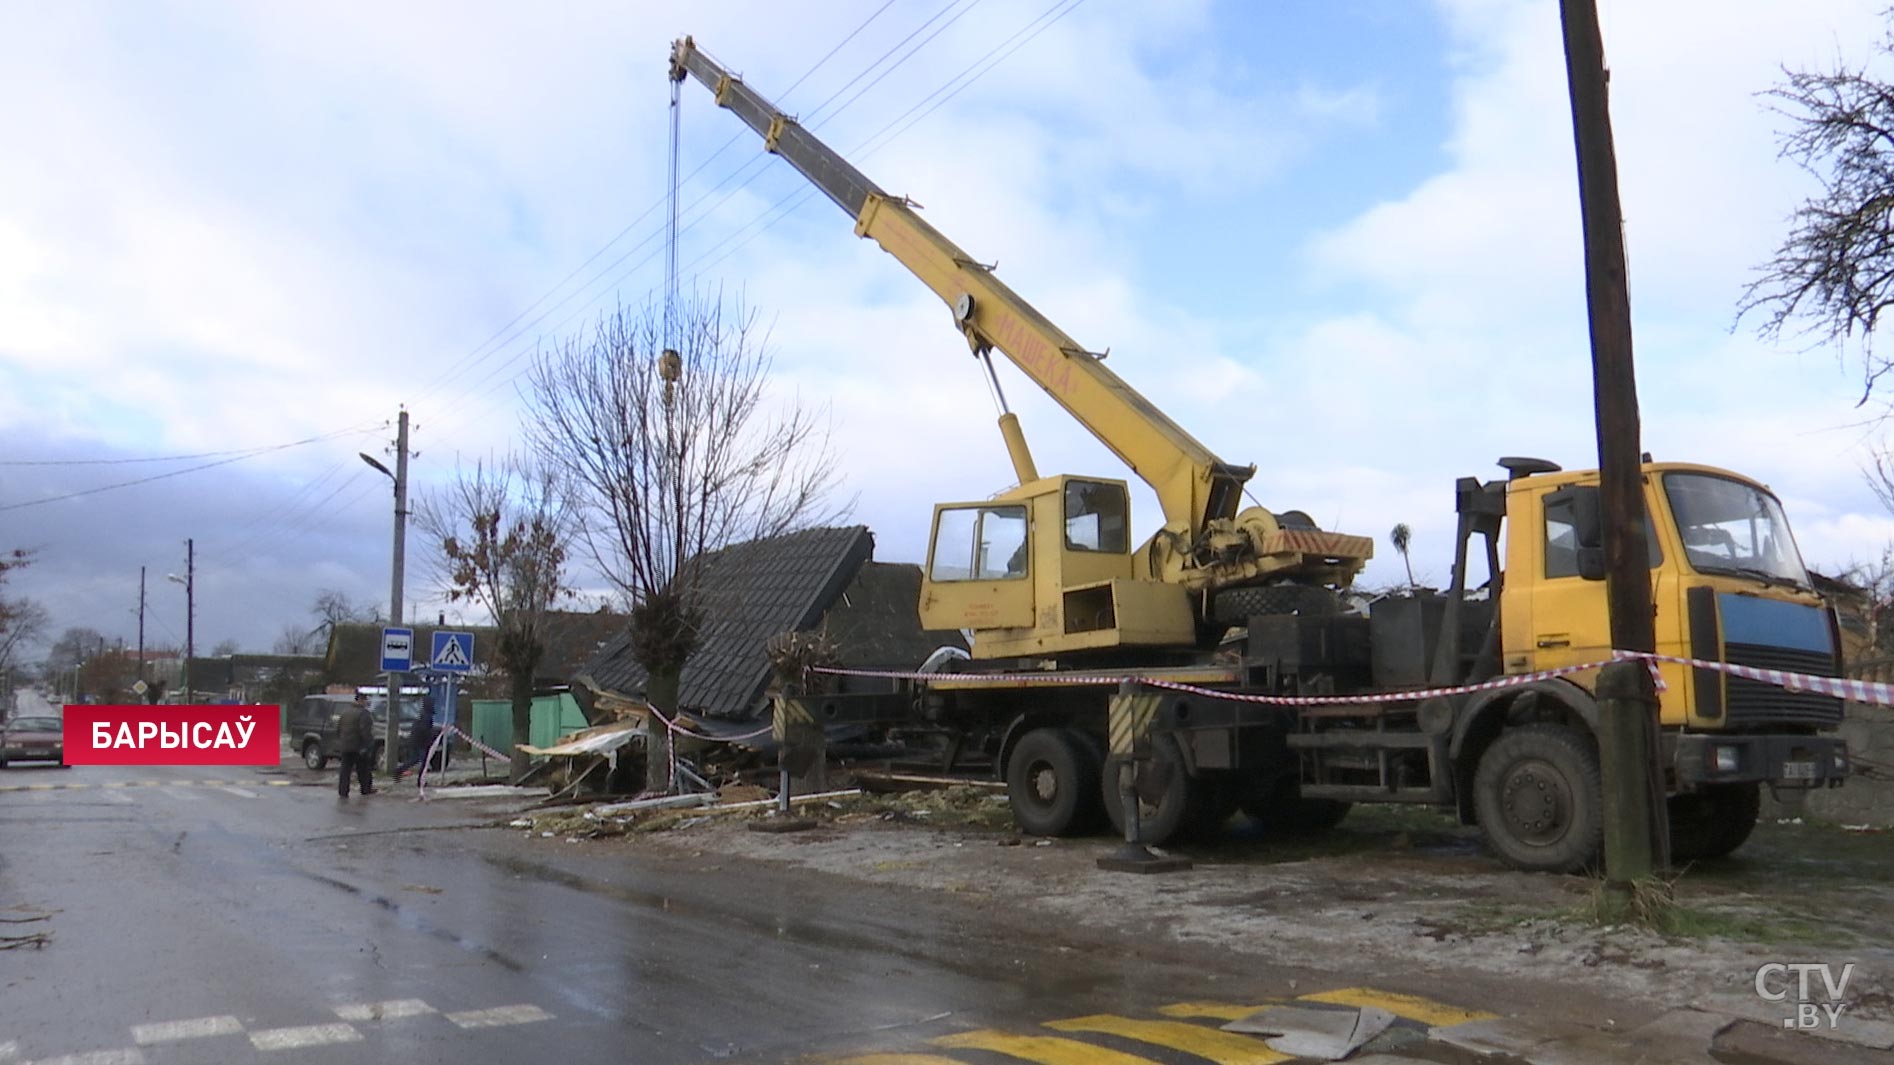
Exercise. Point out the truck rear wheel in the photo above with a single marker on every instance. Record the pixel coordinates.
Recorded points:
(1713, 821)
(1170, 803)
(1052, 782)
(1540, 799)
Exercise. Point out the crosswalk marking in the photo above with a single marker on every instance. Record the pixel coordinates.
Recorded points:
(127, 1056)
(1413, 1007)
(1211, 1044)
(1210, 1011)
(173, 1031)
(499, 1015)
(310, 1036)
(1045, 1049)
(384, 1011)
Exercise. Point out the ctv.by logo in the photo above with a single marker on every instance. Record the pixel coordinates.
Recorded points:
(1776, 980)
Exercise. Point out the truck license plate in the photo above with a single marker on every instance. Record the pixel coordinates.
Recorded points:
(1798, 770)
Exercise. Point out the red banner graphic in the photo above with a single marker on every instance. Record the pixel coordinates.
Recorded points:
(172, 735)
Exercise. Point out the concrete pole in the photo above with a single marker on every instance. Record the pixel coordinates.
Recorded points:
(141, 626)
(190, 612)
(391, 756)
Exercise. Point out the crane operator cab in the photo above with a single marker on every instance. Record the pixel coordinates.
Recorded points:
(1045, 568)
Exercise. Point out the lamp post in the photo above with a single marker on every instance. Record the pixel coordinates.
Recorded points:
(391, 757)
(189, 581)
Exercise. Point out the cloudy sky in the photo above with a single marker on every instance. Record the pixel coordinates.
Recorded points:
(1337, 240)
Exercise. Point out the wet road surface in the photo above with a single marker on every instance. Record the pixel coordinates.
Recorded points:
(237, 915)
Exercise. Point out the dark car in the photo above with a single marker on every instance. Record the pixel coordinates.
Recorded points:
(312, 726)
(32, 739)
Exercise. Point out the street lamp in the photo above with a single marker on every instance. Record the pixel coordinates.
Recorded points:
(391, 756)
(189, 581)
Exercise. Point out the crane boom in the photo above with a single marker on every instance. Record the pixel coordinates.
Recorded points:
(1193, 486)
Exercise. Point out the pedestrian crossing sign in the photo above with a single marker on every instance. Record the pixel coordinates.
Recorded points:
(453, 652)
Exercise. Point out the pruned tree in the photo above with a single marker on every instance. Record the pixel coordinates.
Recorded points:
(501, 534)
(225, 648)
(1833, 275)
(676, 450)
(333, 608)
(22, 621)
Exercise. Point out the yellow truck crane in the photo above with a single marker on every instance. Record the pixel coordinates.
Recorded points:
(1233, 602)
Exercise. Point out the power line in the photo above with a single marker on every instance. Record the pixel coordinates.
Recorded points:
(477, 351)
(172, 473)
(155, 458)
(774, 214)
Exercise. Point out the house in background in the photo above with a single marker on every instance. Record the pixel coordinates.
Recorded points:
(816, 580)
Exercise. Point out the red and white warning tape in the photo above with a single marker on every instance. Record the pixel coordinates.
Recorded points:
(1858, 690)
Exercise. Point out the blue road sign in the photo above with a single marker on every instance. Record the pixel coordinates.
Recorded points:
(453, 652)
(397, 650)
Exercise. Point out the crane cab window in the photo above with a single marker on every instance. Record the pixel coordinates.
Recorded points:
(979, 544)
(1097, 517)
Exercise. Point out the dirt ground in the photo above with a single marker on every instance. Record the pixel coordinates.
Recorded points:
(1391, 887)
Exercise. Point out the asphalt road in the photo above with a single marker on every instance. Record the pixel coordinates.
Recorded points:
(250, 915)
(218, 915)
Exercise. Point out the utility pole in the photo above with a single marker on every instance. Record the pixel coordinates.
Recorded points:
(1636, 842)
(141, 625)
(390, 756)
(190, 612)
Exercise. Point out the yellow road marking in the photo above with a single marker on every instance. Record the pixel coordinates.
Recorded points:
(899, 1059)
(1215, 1011)
(1045, 1049)
(41, 787)
(278, 783)
(1413, 1007)
(1211, 1044)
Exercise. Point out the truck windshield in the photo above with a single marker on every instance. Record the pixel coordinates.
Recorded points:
(1731, 527)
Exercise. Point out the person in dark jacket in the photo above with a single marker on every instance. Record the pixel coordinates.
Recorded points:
(420, 739)
(355, 744)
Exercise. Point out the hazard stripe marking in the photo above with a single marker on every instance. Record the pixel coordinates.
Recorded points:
(498, 1016)
(1214, 1011)
(1047, 1050)
(1413, 1007)
(1211, 1044)
(899, 1059)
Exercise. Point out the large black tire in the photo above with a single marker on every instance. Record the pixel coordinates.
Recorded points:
(1540, 799)
(1280, 811)
(1169, 806)
(1052, 782)
(1713, 821)
(1233, 606)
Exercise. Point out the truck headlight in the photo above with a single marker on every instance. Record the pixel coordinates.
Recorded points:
(1726, 759)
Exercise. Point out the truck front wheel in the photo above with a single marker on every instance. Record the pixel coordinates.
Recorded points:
(1052, 782)
(1713, 821)
(1540, 798)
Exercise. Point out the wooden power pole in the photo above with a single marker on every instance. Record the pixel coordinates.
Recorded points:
(1635, 838)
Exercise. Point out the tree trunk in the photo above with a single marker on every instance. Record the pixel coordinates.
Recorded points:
(661, 692)
(522, 685)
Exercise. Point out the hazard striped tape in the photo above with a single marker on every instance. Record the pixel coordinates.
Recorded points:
(490, 752)
(672, 724)
(1861, 691)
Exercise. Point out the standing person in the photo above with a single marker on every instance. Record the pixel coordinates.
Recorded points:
(355, 744)
(421, 739)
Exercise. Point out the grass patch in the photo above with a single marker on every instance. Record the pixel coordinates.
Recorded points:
(1651, 903)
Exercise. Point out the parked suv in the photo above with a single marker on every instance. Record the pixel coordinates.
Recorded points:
(312, 726)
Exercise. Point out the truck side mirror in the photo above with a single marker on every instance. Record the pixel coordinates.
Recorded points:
(1591, 563)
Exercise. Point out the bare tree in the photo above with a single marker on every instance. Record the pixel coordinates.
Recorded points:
(675, 452)
(296, 640)
(225, 648)
(1833, 275)
(74, 646)
(501, 534)
(22, 621)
